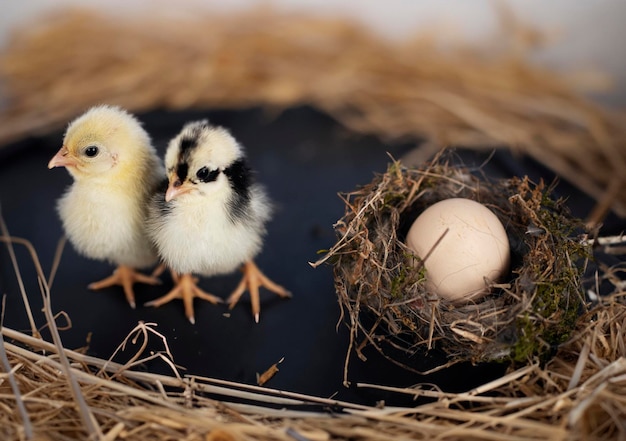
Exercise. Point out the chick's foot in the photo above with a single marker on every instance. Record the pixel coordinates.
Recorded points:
(126, 277)
(252, 279)
(187, 289)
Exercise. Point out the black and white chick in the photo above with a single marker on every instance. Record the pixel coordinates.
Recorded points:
(116, 171)
(209, 218)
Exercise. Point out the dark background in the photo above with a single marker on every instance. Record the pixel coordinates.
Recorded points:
(304, 158)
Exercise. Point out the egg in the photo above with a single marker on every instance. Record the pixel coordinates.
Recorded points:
(464, 247)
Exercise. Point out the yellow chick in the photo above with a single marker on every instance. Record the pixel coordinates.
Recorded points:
(116, 170)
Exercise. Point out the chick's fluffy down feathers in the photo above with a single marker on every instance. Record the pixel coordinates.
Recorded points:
(106, 225)
(104, 211)
(220, 223)
(201, 237)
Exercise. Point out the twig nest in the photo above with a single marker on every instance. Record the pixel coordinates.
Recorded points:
(388, 300)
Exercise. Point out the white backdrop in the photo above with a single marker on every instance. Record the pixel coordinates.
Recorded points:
(590, 34)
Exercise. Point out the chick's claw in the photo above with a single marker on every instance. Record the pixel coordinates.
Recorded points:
(125, 276)
(186, 289)
(252, 279)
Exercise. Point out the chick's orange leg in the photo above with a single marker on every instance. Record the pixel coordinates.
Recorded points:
(160, 269)
(187, 289)
(252, 279)
(126, 277)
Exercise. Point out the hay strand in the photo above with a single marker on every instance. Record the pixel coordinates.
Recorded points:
(6, 365)
(93, 430)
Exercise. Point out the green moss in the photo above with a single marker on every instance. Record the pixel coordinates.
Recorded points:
(551, 318)
(563, 321)
(398, 282)
(406, 274)
(526, 344)
(393, 199)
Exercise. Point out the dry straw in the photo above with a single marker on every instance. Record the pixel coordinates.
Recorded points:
(53, 71)
(50, 73)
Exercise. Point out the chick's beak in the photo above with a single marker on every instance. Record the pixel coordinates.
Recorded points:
(176, 188)
(62, 159)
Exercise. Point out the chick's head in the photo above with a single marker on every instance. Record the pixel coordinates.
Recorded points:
(105, 143)
(204, 160)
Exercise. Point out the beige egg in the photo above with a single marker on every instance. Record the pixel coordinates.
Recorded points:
(474, 251)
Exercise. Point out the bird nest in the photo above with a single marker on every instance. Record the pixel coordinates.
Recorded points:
(383, 294)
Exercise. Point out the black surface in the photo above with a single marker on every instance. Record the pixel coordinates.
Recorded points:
(304, 159)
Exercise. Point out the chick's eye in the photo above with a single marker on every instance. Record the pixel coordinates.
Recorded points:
(92, 151)
(203, 173)
(206, 175)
